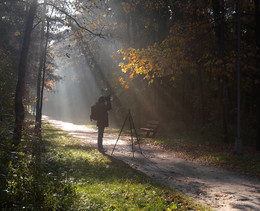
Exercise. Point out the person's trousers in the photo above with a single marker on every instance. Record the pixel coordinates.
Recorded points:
(100, 137)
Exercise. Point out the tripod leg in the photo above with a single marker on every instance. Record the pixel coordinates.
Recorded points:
(131, 130)
(137, 138)
(120, 133)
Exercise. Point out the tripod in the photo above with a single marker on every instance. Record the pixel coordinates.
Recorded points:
(132, 128)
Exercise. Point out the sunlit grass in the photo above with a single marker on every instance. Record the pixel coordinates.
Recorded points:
(102, 182)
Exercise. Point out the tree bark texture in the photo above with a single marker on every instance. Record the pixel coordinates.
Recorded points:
(201, 94)
(39, 78)
(44, 72)
(219, 14)
(19, 108)
(257, 20)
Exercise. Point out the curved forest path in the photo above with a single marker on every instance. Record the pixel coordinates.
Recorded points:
(220, 189)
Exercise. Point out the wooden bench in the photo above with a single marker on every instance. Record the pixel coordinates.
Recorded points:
(151, 127)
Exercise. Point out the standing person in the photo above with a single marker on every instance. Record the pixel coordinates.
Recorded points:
(103, 106)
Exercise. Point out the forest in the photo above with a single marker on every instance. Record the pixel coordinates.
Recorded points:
(193, 65)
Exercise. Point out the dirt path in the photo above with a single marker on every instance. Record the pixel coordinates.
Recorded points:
(220, 189)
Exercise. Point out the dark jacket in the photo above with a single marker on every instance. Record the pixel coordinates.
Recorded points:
(103, 108)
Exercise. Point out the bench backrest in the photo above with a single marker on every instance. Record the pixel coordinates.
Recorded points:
(152, 124)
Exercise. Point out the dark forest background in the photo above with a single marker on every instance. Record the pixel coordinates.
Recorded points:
(173, 61)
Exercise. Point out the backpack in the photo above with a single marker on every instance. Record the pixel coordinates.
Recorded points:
(94, 112)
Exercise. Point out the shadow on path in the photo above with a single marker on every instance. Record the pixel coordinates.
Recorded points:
(220, 189)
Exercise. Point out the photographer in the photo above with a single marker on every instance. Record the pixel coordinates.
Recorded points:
(103, 105)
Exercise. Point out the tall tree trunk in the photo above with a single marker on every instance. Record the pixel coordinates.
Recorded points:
(44, 71)
(238, 144)
(201, 94)
(130, 29)
(19, 94)
(184, 99)
(100, 77)
(39, 78)
(222, 56)
(219, 14)
(224, 108)
(257, 20)
(197, 56)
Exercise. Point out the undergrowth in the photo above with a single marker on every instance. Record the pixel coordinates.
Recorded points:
(27, 183)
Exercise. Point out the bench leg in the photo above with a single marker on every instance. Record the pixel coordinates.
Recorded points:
(154, 133)
(147, 134)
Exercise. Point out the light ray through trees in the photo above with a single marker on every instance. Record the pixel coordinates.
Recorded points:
(72, 100)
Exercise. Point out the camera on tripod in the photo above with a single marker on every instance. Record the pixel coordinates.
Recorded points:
(107, 98)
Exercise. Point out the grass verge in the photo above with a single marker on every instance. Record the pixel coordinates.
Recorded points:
(99, 182)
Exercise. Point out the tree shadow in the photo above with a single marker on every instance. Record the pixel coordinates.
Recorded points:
(94, 168)
(170, 172)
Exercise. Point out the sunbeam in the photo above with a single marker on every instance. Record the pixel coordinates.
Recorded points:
(72, 98)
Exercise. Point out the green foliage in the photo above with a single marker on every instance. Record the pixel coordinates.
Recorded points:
(27, 181)
(7, 85)
(5, 157)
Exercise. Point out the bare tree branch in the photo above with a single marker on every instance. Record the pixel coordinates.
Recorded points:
(75, 21)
